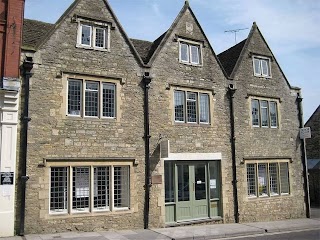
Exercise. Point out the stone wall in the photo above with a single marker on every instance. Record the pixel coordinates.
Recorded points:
(188, 137)
(257, 144)
(55, 135)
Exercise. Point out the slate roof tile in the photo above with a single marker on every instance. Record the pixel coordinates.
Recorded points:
(34, 31)
(229, 57)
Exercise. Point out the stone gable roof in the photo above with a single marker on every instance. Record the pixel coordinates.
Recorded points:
(229, 57)
(33, 32)
(314, 114)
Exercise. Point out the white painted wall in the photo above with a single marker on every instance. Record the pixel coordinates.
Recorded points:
(8, 145)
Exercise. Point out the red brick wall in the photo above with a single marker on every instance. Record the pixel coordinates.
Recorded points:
(11, 21)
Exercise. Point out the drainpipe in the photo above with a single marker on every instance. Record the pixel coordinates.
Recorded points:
(231, 91)
(146, 84)
(27, 67)
(303, 159)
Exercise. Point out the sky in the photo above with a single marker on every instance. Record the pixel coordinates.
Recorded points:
(290, 28)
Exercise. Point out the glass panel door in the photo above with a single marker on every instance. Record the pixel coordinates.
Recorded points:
(183, 183)
(200, 182)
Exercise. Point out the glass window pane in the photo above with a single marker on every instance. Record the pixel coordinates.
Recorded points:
(100, 37)
(101, 188)
(255, 112)
(192, 107)
(264, 114)
(214, 170)
(179, 106)
(86, 35)
(204, 108)
(184, 52)
(109, 99)
(251, 180)
(284, 177)
(273, 114)
(200, 181)
(273, 178)
(91, 99)
(80, 188)
(265, 67)
(59, 189)
(194, 54)
(169, 181)
(74, 97)
(262, 179)
(183, 183)
(257, 70)
(121, 187)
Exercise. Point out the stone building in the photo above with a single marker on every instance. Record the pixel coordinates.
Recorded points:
(127, 133)
(313, 156)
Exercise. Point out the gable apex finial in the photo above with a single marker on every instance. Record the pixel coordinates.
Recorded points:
(186, 2)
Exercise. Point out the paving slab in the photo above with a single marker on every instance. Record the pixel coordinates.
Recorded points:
(288, 225)
(209, 231)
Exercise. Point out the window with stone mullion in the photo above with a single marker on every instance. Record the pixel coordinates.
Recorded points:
(179, 103)
(273, 178)
(192, 107)
(108, 100)
(204, 108)
(251, 180)
(92, 99)
(100, 37)
(74, 97)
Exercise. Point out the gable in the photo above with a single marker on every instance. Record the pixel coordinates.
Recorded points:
(186, 27)
(314, 117)
(95, 12)
(256, 45)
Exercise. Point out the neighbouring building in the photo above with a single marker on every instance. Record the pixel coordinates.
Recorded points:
(11, 20)
(313, 156)
(126, 133)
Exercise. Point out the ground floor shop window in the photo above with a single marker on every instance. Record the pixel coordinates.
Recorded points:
(192, 190)
(266, 179)
(75, 189)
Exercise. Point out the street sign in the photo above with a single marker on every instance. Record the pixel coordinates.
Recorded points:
(7, 178)
(305, 133)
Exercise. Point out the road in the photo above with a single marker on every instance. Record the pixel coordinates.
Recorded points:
(296, 235)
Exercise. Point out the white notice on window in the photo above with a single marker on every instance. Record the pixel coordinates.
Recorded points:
(213, 183)
(82, 185)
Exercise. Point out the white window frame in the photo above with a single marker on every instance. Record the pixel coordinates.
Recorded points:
(189, 45)
(269, 101)
(69, 210)
(261, 59)
(94, 26)
(268, 179)
(198, 106)
(83, 91)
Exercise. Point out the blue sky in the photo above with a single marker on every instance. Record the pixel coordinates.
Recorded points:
(289, 26)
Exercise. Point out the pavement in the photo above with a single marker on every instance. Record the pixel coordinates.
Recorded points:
(191, 232)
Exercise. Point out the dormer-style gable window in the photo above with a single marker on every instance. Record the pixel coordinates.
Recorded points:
(190, 52)
(261, 66)
(93, 36)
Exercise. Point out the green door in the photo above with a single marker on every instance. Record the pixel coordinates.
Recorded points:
(192, 191)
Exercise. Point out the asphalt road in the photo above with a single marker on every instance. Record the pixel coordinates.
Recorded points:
(297, 235)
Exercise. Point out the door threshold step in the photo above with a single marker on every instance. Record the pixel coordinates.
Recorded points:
(195, 222)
